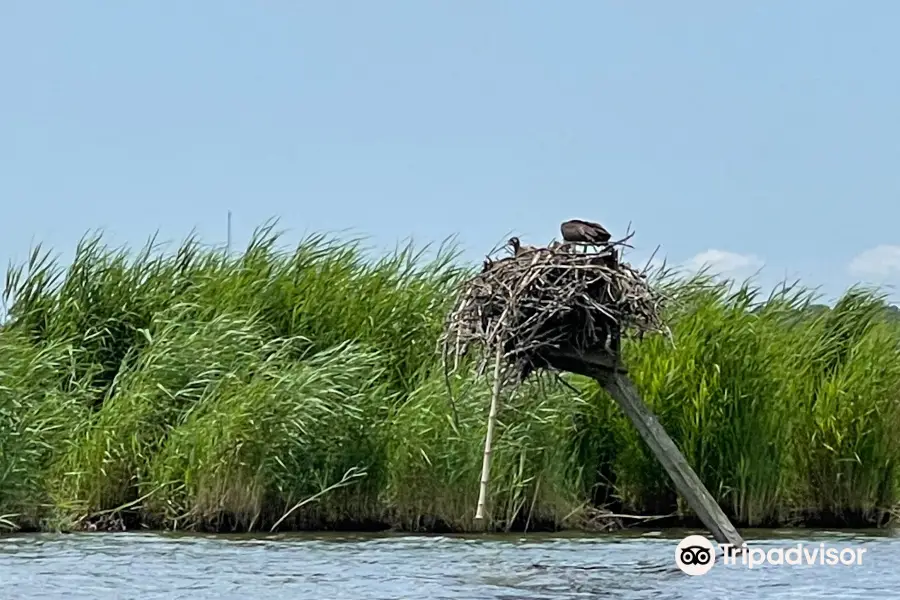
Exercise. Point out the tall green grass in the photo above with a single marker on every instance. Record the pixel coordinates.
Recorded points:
(302, 388)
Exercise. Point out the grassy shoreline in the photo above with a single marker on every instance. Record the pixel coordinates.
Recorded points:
(213, 393)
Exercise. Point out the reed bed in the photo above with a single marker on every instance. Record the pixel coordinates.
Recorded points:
(303, 388)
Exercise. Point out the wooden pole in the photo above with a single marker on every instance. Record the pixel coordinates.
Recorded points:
(617, 383)
(623, 391)
(488, 440)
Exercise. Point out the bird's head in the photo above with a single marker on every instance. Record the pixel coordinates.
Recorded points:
(514, 242)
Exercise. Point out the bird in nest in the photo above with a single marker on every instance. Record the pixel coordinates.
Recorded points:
(518, 248)
(584, 232)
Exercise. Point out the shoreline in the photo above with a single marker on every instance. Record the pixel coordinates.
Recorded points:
(666, 532)
(603, 524)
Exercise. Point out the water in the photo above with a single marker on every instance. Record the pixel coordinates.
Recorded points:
(332, 567)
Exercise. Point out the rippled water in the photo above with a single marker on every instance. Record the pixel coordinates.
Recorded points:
(139, 565)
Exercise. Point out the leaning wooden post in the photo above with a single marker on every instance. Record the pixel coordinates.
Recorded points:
(616, 382)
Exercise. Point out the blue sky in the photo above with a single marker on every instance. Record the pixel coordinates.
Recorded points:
(746, 135)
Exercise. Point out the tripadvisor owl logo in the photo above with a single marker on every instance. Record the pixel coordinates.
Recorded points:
(695, 555)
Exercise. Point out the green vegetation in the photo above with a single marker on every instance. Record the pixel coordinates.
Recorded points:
(195, 390)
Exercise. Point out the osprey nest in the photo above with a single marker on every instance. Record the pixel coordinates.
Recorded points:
(568, 297)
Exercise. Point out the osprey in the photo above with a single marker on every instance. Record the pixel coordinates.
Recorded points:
(518, 248)
(584, 232)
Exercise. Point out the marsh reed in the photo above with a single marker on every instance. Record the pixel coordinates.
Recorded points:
(188, 389)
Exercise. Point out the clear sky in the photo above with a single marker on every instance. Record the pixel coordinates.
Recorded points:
(746, 134)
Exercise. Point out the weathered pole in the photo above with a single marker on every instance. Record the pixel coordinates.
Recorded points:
(616, 382)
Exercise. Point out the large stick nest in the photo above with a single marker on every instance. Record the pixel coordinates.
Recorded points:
(565, 297)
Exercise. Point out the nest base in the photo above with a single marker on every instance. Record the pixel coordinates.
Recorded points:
(597, 365)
